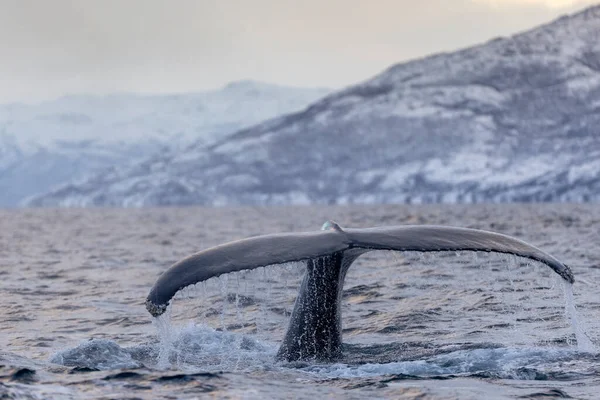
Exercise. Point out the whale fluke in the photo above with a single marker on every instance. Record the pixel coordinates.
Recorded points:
(314, 331)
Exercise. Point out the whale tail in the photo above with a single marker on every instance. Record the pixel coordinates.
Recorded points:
(314, 330)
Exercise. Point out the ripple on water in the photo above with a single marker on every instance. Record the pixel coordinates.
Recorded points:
(407, 317)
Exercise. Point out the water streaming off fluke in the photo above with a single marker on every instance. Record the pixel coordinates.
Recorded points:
(583, 341)
(245, 302)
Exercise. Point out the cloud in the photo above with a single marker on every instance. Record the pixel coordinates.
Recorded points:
(547, 3)
(50, 48)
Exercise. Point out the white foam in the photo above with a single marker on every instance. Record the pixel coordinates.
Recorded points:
(507, 363)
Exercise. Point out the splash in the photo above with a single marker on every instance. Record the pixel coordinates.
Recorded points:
(503, 363)
(199, 347)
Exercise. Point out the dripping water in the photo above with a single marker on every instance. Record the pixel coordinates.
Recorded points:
(583, 341)
(223, 280)
(166, 337)
(520, 286)
(254, 302)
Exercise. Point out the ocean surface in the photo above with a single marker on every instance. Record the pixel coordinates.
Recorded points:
(454, 325)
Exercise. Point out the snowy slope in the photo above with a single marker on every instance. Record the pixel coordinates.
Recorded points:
(55, 142)
(514, 119)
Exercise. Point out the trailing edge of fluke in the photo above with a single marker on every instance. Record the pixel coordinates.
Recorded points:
(314, 331)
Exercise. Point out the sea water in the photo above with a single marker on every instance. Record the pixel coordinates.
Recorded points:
(462, 325)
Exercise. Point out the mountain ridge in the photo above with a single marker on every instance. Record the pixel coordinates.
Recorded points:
(513, 119)
(73, 137)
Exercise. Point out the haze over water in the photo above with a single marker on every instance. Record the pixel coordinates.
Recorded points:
(460, 325)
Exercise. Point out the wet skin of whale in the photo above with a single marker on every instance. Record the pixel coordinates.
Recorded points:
(314, 331)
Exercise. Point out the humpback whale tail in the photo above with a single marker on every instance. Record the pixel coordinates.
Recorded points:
(314, 330)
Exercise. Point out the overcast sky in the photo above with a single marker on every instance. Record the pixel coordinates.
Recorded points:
(49, 48)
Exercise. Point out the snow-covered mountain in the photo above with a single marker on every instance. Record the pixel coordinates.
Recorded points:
(514, 119)
(74, 137)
